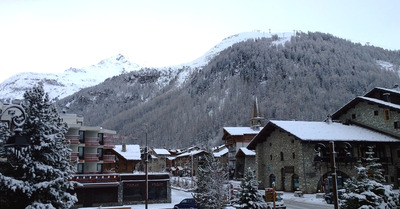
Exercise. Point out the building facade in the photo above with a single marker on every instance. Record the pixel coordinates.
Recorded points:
(91, 146)
(295, 155)
(236, 137)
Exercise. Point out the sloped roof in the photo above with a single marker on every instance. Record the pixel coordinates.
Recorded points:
(194, 152)
(321, 131)
(132, 151)
(221, 152)
(161, 152)
(246, 151)
(239, 131)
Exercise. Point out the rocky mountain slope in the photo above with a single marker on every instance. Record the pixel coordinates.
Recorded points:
(305, 78)
(72, 80)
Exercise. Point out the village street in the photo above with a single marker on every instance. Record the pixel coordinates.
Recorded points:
(292, 202)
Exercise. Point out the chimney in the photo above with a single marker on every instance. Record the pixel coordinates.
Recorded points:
(329, 119)
(123, 147)
(386, 97)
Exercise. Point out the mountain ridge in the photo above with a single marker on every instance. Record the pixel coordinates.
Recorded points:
(306, 78)
(72, 80)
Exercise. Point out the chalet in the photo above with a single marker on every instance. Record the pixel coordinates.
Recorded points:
(221, 153)
(237, 137)
(188, 163)
(295, 154)
(159, 159)
(128, 157)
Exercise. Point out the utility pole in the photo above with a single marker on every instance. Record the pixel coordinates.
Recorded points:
(333, 173)
(146, 152)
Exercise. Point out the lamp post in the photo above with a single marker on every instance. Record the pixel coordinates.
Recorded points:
(17, 142)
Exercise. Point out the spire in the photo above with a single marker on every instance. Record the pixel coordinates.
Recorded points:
(257, 120)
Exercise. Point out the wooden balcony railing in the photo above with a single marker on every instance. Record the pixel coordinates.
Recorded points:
(109, 158)
(92, 157)
(92, 141)
(74, 156)
(73, 139)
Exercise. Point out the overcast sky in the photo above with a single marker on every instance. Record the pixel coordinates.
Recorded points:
(53, 35)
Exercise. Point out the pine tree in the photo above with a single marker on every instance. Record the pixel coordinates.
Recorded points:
(249, 198)
(367, 189)
(43, 180)
(212, 179)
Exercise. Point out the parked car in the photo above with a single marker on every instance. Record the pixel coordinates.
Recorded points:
(329, 196)
(188, 203)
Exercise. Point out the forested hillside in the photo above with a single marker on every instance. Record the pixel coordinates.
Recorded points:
(305, 79)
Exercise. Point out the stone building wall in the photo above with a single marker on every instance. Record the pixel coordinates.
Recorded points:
(297, 163)
(373, 116)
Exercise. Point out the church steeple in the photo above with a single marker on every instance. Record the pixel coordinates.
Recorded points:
(257, 120)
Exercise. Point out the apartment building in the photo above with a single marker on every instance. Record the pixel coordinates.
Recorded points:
(91, 146)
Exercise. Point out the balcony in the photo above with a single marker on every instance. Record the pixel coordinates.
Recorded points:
(73, 139)
(92, 157)
(74, 156)
(92, 141)
(108, 144)
(109, 158)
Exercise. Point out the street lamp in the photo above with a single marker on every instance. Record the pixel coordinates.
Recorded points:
(17, 142)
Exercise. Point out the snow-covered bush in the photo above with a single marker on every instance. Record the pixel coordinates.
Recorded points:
(367, 189)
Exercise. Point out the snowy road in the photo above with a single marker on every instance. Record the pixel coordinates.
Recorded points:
(306, 202)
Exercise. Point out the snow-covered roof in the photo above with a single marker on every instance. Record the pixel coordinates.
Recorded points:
(238, 131)
(161, 151)
(171, 158)
(194, 152)
(378, 101)
(322, 131)
(221, 152)
(247, 152)
(132, 151)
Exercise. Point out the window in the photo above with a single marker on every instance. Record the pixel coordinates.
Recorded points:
(80, 168)
(353, 116)
(282, 158)
(81, 151)
(386, 113)
(100, 152)
(81, 136)
(101, 138)
(376, 112)
(396, 125)
(294, 155)
(100, 168)
(270, 157)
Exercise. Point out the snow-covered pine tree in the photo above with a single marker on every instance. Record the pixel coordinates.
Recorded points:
(211, 182)
(367, 189)
(249, 198)
(46, 167)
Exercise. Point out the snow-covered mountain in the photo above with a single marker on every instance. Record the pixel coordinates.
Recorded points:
(72, 80)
